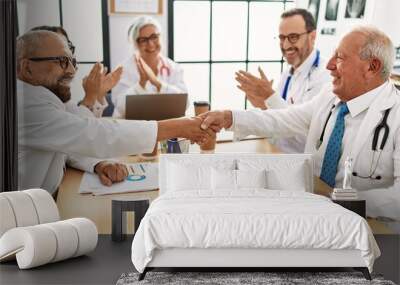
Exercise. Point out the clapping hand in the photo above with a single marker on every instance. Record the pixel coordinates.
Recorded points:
(257, 89)
(111, 172)
(97, 83)
(146, 74)
(108, 81)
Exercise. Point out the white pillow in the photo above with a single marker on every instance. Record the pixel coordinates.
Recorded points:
(251, 179)
(290, 179)
(281, 174)
(223, 179)
(182, 177)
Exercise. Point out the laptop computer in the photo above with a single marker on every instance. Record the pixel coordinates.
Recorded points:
(155, 106)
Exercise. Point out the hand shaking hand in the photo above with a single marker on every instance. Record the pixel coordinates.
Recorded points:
(195, 133)
(188, 128)
(216, 120)
(257, 89)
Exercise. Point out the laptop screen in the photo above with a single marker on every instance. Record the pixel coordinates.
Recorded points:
(155, 106)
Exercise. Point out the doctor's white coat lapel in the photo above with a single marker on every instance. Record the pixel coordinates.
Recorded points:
(374, 116)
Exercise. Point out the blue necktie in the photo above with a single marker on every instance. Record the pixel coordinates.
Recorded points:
(332, 152)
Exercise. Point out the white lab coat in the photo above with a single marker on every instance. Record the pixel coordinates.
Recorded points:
(307, 81)
(48, 134)
(129, 83)
(383, 196)
(78, 161)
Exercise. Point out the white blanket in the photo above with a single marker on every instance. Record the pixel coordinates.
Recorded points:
(250, 219)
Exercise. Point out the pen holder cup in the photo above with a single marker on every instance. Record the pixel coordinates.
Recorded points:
(178, 145)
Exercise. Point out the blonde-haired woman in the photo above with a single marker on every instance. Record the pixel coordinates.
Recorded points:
(146, 71)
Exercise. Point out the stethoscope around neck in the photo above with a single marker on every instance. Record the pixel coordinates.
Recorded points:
(314, 65)
(164, 68)
(381, 126)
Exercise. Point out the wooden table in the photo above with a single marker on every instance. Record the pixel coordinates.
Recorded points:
(98, 208)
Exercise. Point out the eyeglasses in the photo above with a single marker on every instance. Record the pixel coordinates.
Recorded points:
(292, 38)
(63, 60)
(145, 40)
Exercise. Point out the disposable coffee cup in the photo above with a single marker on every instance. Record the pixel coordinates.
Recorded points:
(209, 146)
(201, 107)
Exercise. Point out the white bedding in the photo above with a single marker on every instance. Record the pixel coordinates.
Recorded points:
(253, 218)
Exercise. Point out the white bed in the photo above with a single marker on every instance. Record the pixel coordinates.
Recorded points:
(247, 210)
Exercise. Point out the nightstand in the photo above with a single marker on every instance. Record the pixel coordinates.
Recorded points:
(119, 208)
(357, 206)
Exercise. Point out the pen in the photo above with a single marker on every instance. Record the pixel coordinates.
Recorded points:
(141, 166)
(131, 168)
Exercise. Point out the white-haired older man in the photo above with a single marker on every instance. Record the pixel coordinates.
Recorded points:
(359, 118)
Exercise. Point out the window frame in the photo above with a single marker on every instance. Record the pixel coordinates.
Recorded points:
(210, 62)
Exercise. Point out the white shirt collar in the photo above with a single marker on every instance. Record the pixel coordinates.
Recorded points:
(362, 102)
(38, 93)
(306, 66)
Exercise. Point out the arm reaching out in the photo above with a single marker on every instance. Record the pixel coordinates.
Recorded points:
(185, 128)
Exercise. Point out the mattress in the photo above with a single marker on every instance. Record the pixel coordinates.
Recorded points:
(251, 219)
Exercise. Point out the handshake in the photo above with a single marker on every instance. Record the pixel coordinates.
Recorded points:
(200, 129)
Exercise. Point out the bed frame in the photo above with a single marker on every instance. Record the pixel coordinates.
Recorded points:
(242, 259)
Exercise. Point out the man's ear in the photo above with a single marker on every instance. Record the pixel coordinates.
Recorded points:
(312, 37)
(375, 67)
(25, 68)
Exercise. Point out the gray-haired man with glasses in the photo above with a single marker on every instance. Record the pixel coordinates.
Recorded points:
(300, 82)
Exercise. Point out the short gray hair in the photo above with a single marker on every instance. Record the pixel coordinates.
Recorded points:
(140, 22)
(377, 45)
(30, 42)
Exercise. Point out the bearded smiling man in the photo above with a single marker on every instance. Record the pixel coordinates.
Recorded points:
(50, 135)
(300, 82)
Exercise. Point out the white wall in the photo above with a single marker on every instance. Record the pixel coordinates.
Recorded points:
(384, 14)
(119, 24)
(31, 14)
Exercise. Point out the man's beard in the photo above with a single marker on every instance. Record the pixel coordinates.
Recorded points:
(62, 91)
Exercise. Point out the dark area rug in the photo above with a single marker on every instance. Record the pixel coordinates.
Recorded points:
(243, 278)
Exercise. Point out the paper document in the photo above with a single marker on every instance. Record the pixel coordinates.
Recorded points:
(142, 177)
